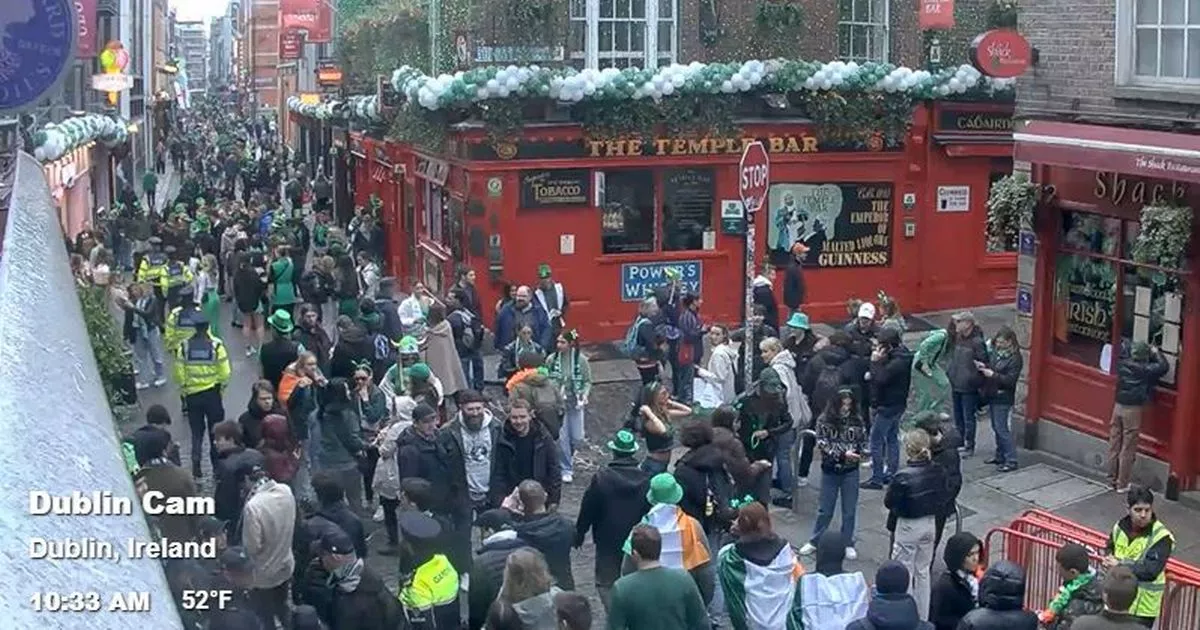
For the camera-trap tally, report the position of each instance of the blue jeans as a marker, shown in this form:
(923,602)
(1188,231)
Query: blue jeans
(653,466)
(885,443)
(1006,450)
(785,473)
(833,484)
(569,437)
(148,355)
(472,365)
(965,405)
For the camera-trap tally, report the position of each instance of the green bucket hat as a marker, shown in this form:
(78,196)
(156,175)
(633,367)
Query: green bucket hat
(281,321)
(664,489)
(407,345)
(418,371)
(798,320)
(623,442)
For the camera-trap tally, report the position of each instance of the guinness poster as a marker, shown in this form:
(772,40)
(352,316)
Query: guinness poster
(547,189)
(842,225)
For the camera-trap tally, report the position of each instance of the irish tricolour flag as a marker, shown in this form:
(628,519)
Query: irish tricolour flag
(758,596)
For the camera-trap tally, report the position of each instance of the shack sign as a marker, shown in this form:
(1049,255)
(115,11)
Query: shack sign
(567,187)
(1001,53)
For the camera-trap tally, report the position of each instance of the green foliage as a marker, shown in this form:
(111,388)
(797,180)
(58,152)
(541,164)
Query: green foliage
(108,345)
(503,120)
(1002,14)
(1010,205)
(778,18)
(386,35)
(427,130)
(1164,237)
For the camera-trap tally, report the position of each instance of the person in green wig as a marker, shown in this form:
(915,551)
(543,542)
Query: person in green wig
(398,380)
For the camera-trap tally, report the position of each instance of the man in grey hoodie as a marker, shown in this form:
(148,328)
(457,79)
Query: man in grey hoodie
(268,523)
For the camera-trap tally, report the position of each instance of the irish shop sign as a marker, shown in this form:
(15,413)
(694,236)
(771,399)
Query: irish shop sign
(1001,53)
(639,280)
(544,189)
(975,122)
(843,225)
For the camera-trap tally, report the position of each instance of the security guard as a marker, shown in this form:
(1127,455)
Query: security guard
(1141,542)
(429,583)
(176,277)
(202,371)
(153,267)
(180,322)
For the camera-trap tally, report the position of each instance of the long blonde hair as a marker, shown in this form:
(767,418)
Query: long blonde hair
(525,575)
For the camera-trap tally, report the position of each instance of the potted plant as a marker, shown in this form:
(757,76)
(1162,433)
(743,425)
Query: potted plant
(1010,206)
(1164,236)
(113,359)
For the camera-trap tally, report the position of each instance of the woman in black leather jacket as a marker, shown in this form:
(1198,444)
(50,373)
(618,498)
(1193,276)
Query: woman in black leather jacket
(914,497)
(1001,601)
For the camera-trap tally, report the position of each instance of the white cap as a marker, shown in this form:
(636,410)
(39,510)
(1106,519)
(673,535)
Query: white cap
(867,310)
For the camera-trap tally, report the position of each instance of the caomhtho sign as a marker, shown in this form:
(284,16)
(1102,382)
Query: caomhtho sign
(1001,53)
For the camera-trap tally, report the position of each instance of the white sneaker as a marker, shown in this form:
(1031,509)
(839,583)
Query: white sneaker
(141,386)
(568,477)
(249,351)
(802,482)
(159,382)
(808,549)
(464,583)
(378,516)
(851,554)
(865,464)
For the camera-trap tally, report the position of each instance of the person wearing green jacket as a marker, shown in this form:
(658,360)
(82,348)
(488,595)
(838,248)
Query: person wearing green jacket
(570,371)
(281,280)
(341,446)
(150,186)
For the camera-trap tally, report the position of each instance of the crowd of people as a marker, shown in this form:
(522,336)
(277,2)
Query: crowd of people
(373,406)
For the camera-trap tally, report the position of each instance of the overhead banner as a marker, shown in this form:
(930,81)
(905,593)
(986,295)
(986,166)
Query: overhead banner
(85,41)
(936,14)
(314,17)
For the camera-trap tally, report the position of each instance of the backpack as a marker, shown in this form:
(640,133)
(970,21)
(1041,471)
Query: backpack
(718,509)
(546,405)
(384,350)
(826,386)
(630,346)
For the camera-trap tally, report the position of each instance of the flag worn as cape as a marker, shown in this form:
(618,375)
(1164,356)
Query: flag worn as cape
(684,545)
(761,597)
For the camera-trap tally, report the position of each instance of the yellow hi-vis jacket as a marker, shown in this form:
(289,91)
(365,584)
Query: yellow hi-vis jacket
(1129,550)
(201,363)
(179,326)
(434,585)
(175,275)
(153,270)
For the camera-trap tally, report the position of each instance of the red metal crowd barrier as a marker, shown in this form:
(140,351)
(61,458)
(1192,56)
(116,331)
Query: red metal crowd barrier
(1033,539)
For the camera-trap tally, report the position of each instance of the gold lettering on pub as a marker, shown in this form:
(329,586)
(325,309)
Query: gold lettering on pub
(698,146)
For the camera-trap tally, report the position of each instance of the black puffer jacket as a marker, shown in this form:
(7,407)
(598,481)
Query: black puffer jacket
(551,534)
(353,347)
(697,471)
(951,597)
(228,492)
(830,358)
(964,376)
(487,574)
(417,456)
(793,286)
(918,489)
(1002,600)
(1136,379)
(945,455)
(275,356)
(891,377)
(892,611)
(613,503)
(506,469)
(251,421)
(1001,388)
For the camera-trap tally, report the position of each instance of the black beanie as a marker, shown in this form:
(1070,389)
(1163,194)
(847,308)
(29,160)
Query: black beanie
(891,578)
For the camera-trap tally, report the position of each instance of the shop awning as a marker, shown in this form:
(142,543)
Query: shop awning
(1157,154)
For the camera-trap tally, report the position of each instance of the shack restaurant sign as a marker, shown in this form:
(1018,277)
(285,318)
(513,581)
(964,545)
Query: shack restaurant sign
(542,189)
(1001,53)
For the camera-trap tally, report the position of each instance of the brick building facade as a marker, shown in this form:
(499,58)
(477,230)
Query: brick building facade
(1106,128)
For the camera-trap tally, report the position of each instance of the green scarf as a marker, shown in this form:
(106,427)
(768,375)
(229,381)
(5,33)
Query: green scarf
(1068,590)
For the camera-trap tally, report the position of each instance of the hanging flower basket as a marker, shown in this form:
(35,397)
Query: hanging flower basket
(1165,234)
(1010,206)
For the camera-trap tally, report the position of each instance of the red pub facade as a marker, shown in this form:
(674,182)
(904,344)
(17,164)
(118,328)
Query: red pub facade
(610,216)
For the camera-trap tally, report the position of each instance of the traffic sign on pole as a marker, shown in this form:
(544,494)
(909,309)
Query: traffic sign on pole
(754,182)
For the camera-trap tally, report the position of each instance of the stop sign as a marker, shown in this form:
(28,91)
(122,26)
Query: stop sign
(754,176)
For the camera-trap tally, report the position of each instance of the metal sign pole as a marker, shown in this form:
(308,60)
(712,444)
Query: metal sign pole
(748,303)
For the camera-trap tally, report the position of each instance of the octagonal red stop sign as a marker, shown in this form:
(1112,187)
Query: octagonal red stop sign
(754,176)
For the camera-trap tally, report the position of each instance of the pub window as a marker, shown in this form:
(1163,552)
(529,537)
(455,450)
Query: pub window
(435,210)
(863,30)
(1104,302)
(688,197)
(622,33)
(627,214)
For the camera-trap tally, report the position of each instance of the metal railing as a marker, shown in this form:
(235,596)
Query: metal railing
(59,438)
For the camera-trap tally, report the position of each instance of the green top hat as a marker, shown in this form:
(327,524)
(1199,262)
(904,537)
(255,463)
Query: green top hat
(543,270)
(281,321)
(418,371)
(798,320)
(623,442)
(664,489)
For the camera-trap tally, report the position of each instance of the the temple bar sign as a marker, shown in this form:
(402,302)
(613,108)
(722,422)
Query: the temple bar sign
(698,146)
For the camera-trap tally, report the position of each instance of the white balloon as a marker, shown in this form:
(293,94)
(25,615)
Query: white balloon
(727,87)
(493,85)
(481,93)
(668,89)
(826,84)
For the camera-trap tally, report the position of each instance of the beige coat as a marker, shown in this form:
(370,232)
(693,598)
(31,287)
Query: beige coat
(443,359)
(268,522)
